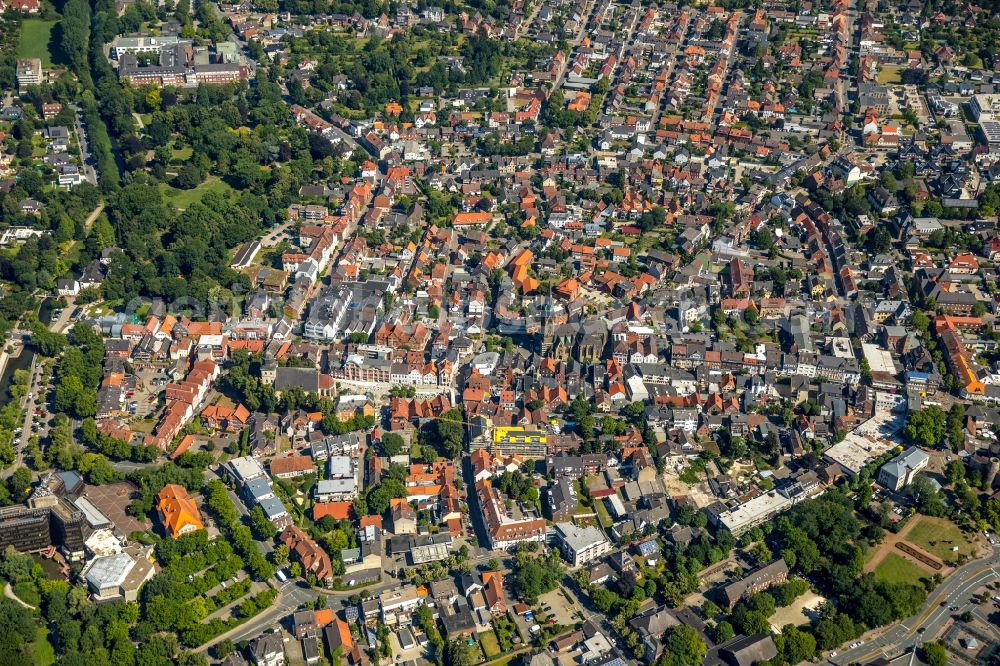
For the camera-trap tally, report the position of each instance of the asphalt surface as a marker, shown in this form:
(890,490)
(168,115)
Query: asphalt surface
(937,611)
(81,136)
(29,405)
(290,597)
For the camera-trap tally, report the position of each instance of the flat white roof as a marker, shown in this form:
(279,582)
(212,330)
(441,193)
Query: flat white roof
(879,360)
(579,538)
(335,485)
(246,468)
(103,543)
(747,513)
(92,513)
(391,599)
(340,467)
(856,450)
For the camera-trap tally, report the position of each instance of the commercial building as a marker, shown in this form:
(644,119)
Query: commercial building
(529,441)
(119,576)
(178,62)
(421,548)
(24,528)
(336,490)
(860,446)
(985,110)
(347,308)
(758,510)
(580,545)
(899,472)
(246,469)
(55,516)
(71,526)
(140,44)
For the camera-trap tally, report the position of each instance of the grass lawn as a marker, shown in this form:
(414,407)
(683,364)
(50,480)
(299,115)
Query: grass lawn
(42,652)
(939,535)
(897,569)
(182,155)
(890,75)
(223,401)
(144,426)
(34,42)
(184,198)
(491,647)
(603,517)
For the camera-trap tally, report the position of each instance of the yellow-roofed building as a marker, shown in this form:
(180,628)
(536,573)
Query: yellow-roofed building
(530,442)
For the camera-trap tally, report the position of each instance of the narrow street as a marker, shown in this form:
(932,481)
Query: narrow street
(81,137)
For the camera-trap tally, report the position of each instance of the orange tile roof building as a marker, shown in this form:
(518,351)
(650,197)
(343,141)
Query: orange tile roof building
(178,511)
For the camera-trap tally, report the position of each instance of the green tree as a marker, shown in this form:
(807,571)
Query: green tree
(796,645)
(460,653)
(723,632)
(935,654)
(19,484)
(926,496)
(925,427)
(682,647)
(392,444)
(380,495)
(446,433)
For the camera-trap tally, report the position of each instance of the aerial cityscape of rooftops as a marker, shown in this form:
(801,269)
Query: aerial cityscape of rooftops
(499,332)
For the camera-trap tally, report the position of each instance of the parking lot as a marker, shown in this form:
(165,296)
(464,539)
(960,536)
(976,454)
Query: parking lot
(555,604)
(150,386)
(416,653)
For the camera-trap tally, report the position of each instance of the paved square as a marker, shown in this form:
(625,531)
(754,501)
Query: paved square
(112,500)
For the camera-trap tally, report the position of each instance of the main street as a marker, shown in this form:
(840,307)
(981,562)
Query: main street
(937,611)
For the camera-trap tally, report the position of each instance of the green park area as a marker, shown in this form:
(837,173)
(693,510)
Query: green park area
(897,569)
(491,647)
(184,198)
(941,537)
